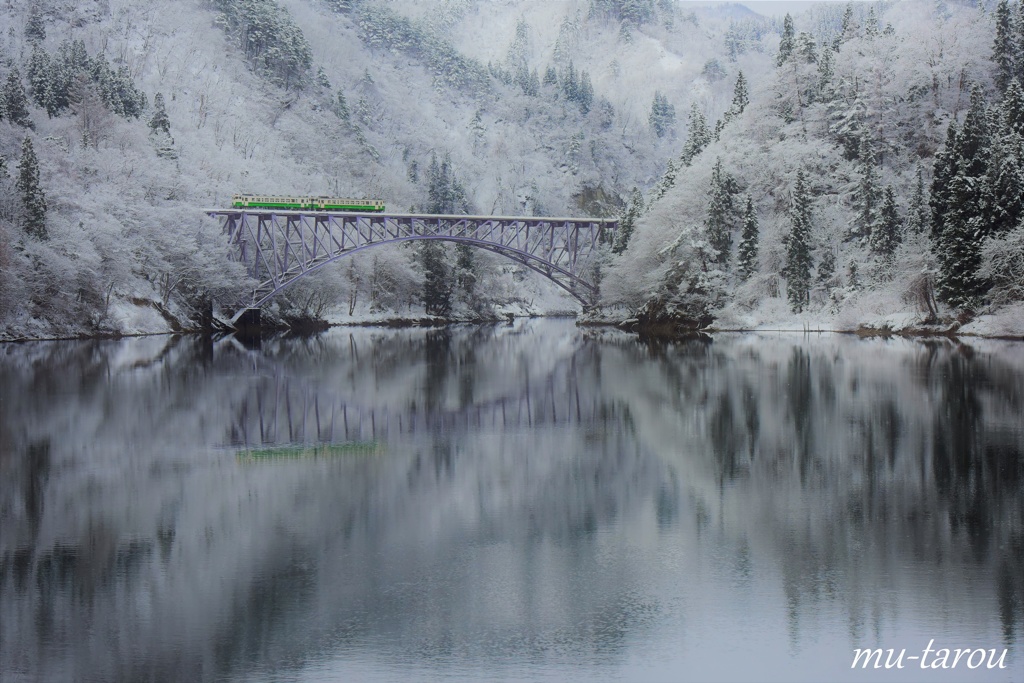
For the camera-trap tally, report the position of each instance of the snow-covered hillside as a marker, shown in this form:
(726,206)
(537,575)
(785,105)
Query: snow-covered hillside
(526,107)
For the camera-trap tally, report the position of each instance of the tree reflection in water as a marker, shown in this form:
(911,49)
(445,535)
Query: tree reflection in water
(536,496)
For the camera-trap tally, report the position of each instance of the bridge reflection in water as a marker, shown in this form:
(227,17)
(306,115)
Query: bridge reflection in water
(280,410)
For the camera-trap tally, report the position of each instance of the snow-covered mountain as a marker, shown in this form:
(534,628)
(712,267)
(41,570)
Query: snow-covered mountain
(142,112)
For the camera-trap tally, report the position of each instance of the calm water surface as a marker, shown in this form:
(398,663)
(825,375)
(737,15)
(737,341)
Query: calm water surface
(525,502)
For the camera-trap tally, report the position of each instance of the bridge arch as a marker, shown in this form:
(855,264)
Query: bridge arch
(280,247)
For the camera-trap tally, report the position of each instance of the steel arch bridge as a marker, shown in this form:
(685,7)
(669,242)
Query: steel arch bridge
(279,247)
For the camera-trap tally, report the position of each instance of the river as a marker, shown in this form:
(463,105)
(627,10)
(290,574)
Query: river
(512,502)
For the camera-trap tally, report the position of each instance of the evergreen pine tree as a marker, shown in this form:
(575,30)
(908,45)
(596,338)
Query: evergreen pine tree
(628,222)
(550,77)
(321,78)
(570,86)
(160,121)
(340,107)
(721,213)
(1003,49)
(942,172)
(871,24)
(885,234)
(437,286)
(964,226)
(465,272)
(826,74)
(788,41)
(1004,183)
(847,28)
(740,100)
(663,115)
(918,219)
(740,95)
(798,247)
(40,71)
(867,196)
(749,241)
(1019,41)
(15,103)
(585,95)
(698,136)
(35,28)
(33,200)
(665,183)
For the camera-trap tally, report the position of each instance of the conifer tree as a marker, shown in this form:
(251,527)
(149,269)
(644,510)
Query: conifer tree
(628,222)
(15,102)
(847,28)
(749,241)
(340,107)
(39,72)
(665,183)
(867,196)
(721,213)
(943,170)
(1004,183)
(740,95)
(798,247)
(871,24)
(550,77)
(33,200)
(697,138)
(437,284)
(585,95)
(826,74)
(740,100)
(160,121)
(885,234)
(1019,41)
(663,115)
(918,219)
(964,226)
(465,272)
(35,28)
(570,86)
(1004,51)
(788,41)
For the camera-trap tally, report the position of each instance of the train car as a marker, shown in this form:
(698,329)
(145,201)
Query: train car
(244,201)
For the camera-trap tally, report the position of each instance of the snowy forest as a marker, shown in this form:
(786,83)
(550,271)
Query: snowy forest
(847,166)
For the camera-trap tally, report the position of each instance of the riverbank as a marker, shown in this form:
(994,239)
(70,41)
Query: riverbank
(142,319)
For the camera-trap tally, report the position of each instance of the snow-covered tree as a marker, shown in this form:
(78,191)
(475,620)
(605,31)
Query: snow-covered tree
(628,223)
(788,41)
(698,136)
(962,227)
(867,196)
(886,234)
(749,241)
(798,246)
(918,218)
(30,190)
(15,103)
(35,27)
(722,213)
(160,122)
(1004,49)
(663,115)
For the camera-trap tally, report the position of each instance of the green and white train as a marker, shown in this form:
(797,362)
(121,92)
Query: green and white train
(244,201)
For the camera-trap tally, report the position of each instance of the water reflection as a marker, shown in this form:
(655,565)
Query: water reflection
(535,499)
